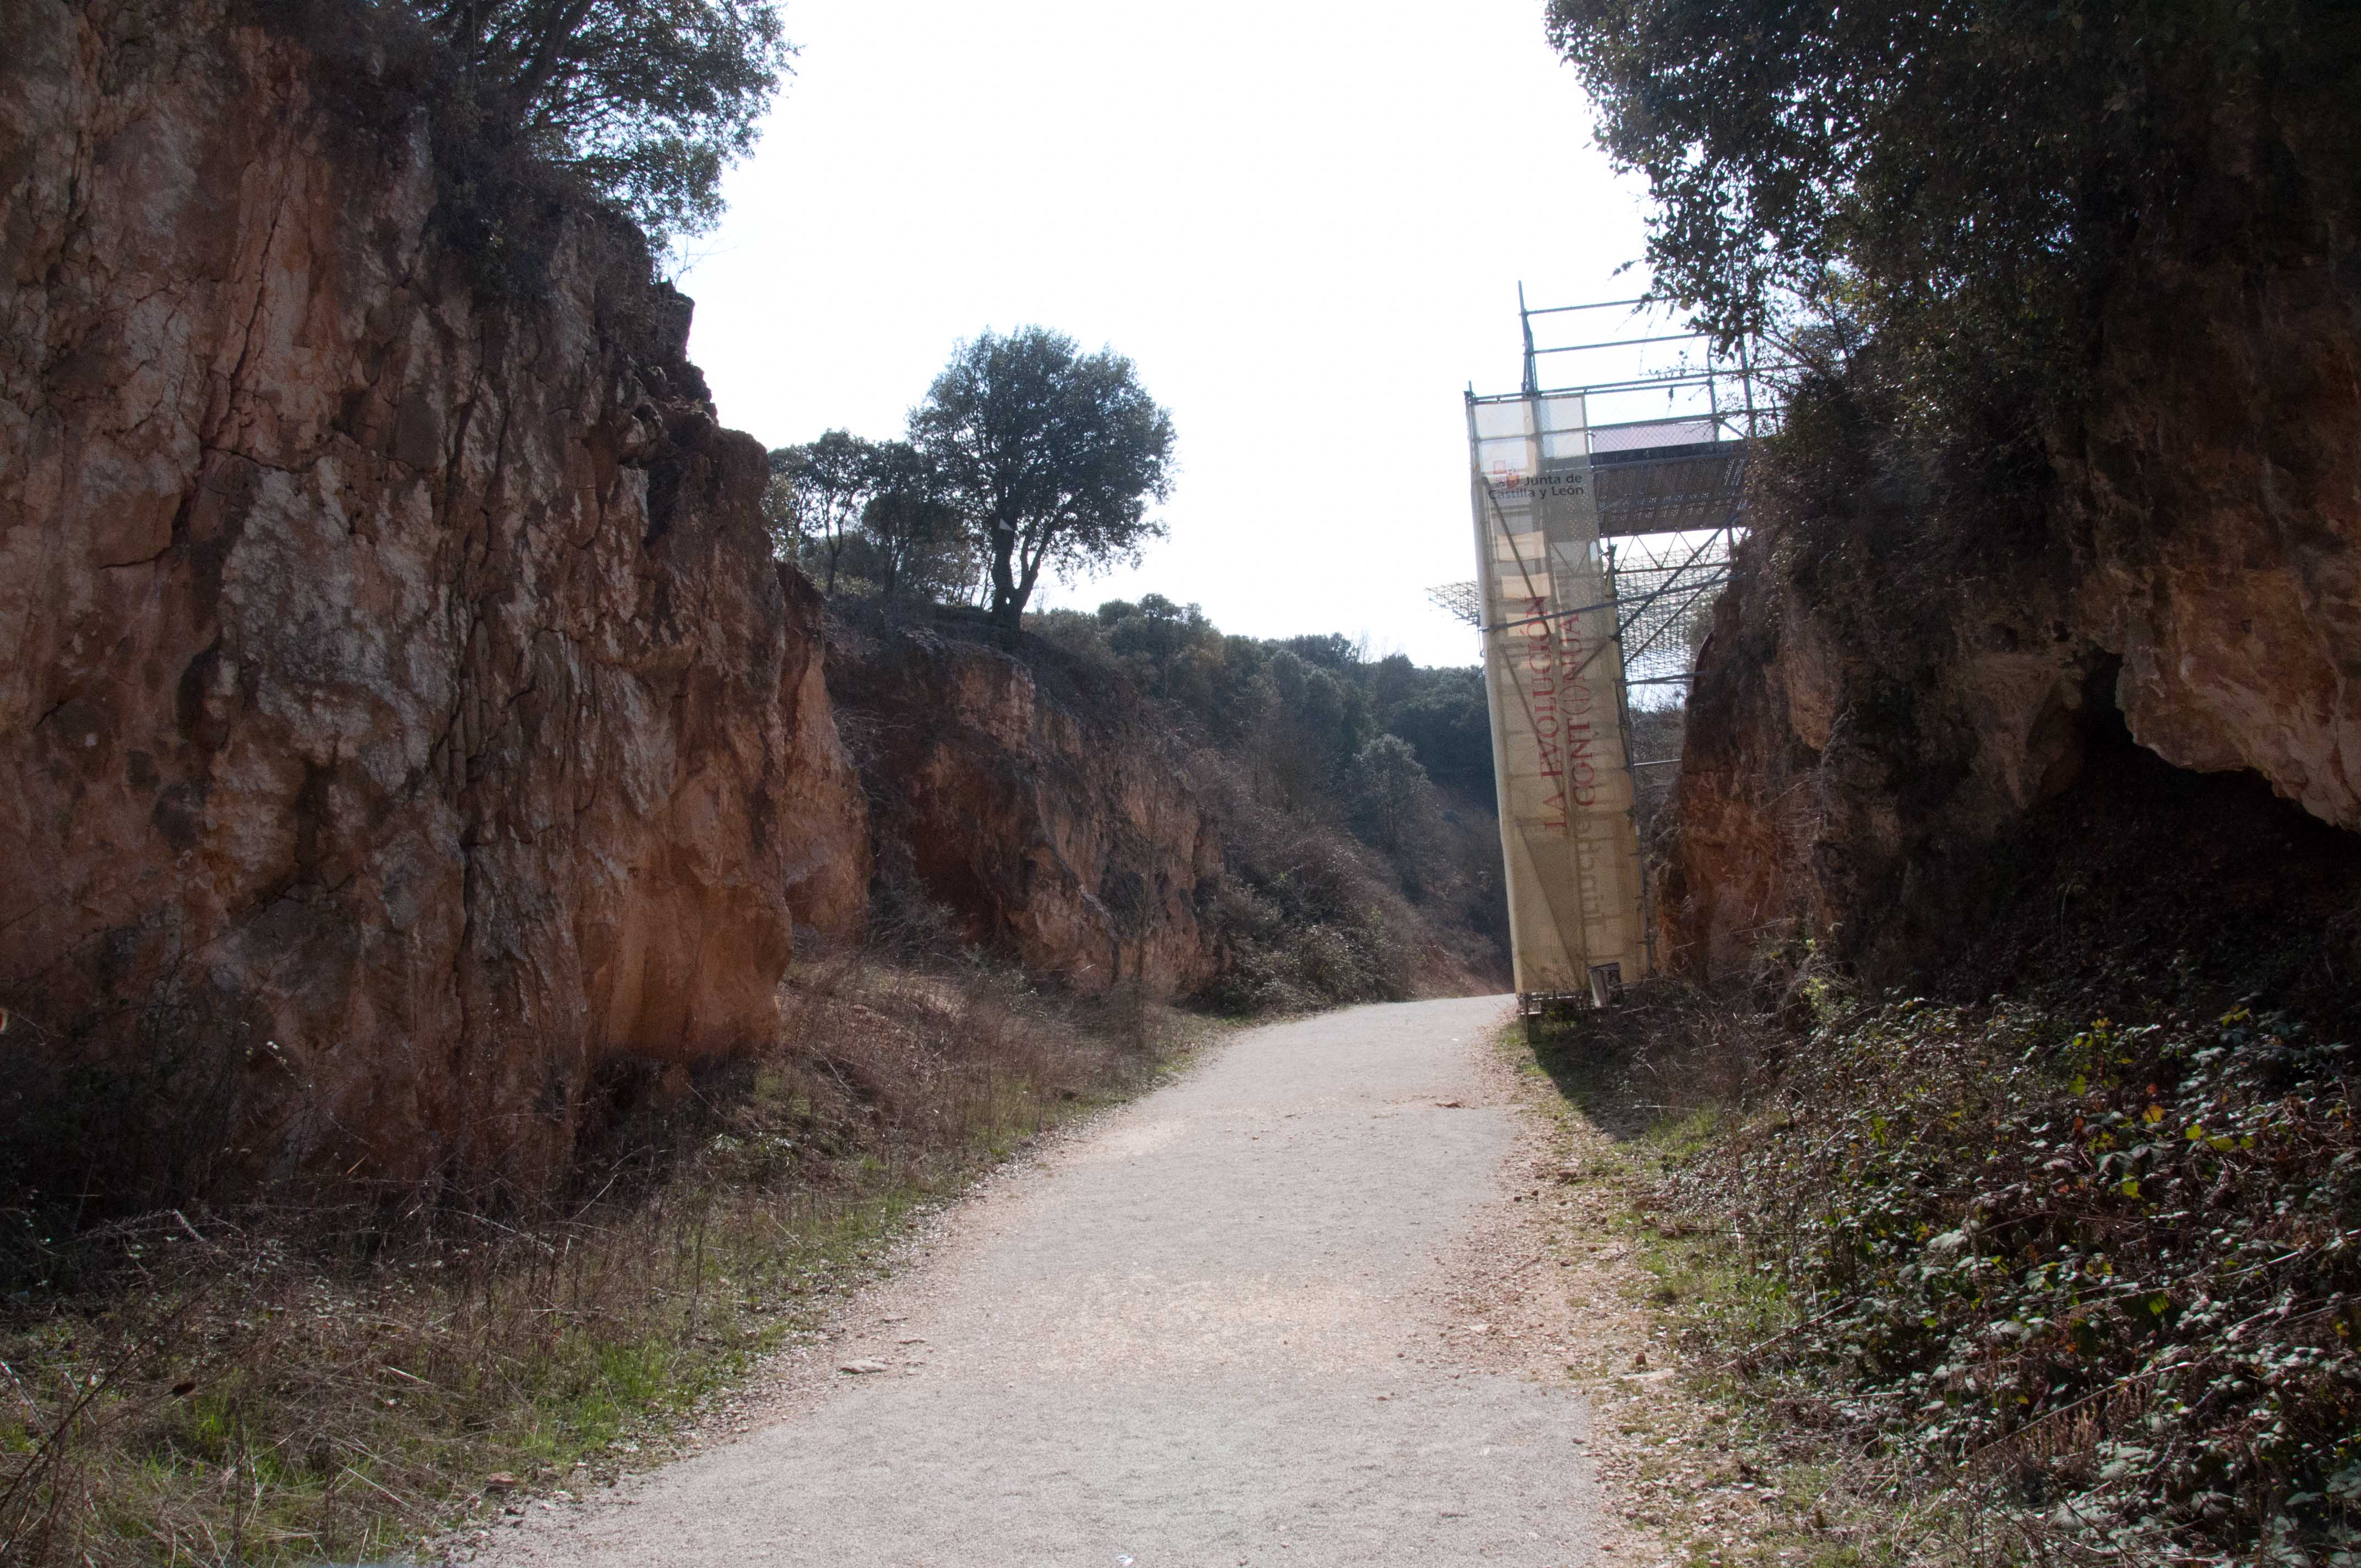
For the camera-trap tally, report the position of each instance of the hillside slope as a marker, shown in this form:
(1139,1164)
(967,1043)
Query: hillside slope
(1061,804)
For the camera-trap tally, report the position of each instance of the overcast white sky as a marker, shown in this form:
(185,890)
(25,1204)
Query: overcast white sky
(1305,220)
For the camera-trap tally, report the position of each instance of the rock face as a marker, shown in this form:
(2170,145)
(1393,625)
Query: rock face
(1877,702)
(1054,827)
(2217,504)
(827,859)
(401,718)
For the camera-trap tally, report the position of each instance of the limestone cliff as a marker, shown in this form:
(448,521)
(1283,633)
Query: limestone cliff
(1888,698)
(1056,828)
(401,718)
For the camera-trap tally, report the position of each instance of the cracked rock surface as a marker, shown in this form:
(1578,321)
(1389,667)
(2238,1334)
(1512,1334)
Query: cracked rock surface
(402,719)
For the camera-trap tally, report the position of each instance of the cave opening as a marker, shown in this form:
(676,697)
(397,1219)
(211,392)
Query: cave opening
(2161,884)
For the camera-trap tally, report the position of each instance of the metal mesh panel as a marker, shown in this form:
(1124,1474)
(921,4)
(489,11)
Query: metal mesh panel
(1670,489)
(1643,433)
(1663,583)
(1462,601)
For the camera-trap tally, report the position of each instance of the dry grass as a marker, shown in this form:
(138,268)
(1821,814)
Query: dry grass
(339,1381)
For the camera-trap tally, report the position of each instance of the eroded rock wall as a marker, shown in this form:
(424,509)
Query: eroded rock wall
(2215,511)
(1883,698)
(400,715)
(1056,828)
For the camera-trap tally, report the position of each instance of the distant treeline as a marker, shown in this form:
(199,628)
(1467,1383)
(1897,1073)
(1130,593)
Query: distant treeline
(1316,710)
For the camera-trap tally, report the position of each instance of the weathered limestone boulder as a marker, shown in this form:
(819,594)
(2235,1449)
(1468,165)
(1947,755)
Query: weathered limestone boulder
(400,717)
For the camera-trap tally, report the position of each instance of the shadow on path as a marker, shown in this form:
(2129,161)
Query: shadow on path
(1662,1055)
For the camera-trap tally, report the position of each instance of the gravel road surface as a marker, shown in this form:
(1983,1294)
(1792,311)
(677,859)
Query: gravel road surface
(1213,1328)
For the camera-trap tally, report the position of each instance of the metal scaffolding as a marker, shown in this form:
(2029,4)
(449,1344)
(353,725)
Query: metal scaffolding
(1601,543)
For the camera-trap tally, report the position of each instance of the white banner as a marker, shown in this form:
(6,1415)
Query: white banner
(1554,678)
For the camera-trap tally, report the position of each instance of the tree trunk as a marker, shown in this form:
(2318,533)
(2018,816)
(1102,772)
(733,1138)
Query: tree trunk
(541,64)
(1031,575)
(1007,604)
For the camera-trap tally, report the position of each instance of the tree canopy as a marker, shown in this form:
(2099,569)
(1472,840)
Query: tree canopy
(849,510)
(817,495)
(913,539)
(1957,181)
(1052,455)
(647,101)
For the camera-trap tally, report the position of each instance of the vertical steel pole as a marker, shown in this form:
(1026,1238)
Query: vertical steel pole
(1525,326)
(1746,383)
(1631,768)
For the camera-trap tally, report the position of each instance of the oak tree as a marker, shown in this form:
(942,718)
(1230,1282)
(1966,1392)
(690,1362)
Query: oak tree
(1052,455)
(819,492)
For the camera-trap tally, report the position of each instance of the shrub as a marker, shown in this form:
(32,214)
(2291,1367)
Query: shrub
(2106,1274)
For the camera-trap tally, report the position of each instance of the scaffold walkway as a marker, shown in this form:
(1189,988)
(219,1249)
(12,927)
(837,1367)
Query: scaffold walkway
(1602,543)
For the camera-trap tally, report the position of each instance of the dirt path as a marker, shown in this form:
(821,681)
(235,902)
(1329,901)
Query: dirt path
(1228,1324)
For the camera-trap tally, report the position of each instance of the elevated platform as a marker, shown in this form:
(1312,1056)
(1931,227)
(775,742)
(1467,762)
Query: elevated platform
(1688,486)
(1604,514)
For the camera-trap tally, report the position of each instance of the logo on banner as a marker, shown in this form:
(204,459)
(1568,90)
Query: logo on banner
(1563,705)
